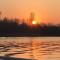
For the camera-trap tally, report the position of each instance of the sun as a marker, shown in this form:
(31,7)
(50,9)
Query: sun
(34,22)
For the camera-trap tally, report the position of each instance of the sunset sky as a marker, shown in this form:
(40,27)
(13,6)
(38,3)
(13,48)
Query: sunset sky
(45,10)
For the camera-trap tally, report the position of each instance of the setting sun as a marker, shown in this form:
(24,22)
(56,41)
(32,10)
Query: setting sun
(34,22)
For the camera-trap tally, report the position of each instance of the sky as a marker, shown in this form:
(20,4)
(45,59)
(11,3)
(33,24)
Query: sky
(44,10)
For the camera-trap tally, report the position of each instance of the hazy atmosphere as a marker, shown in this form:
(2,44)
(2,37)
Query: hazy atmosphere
(45,10)
(29,29)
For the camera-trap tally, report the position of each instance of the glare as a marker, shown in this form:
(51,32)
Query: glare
(34,22)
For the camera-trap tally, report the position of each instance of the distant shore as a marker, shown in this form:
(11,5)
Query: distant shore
(29,35)
(11,28)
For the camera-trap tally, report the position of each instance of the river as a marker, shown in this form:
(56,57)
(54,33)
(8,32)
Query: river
(34,48)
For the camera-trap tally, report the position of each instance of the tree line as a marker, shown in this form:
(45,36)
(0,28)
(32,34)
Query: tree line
(12,28)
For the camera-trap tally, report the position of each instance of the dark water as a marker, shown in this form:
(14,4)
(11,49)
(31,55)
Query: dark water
(35,48)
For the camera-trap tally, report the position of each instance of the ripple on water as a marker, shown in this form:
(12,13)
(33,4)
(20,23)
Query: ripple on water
(34,49)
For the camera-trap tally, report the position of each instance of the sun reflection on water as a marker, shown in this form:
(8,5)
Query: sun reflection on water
(33,49)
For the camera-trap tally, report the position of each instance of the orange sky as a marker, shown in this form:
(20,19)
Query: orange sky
(45,10)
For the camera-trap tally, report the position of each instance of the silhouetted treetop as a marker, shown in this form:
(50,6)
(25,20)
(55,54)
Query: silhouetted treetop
(10,27)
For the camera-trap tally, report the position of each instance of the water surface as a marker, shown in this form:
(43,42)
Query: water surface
(38,48)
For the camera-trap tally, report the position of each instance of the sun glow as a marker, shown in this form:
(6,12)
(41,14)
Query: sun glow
(34,22)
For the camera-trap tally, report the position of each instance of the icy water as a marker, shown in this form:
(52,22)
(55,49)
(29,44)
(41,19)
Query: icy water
(34,48)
